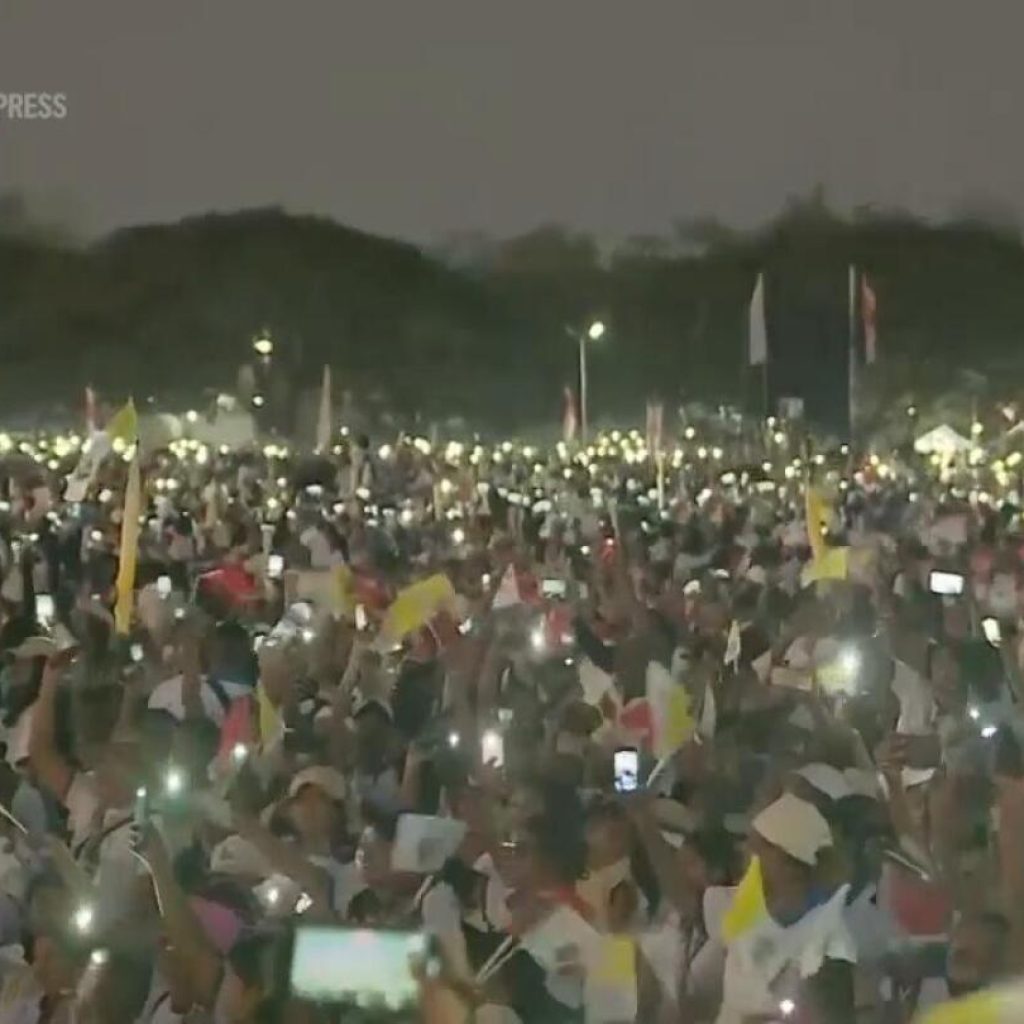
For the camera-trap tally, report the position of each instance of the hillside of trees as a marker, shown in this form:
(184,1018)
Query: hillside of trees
(483,328)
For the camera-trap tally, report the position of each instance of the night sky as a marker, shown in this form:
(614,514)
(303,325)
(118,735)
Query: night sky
(419,117)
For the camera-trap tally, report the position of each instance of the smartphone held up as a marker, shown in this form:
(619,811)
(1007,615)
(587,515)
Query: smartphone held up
(627,770)
(372,970)
(945,584)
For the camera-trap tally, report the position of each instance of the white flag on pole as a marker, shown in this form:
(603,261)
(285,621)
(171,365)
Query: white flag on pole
(758,330)
(324,419)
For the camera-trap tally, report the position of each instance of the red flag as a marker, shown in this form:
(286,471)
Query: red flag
(570,421)
(921,908)
(371,592)
(558,630)
(238,728)
(440,633)
(636,718)
(869,310)
(232,583)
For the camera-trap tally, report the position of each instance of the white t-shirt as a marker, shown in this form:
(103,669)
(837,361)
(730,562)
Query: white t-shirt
(167,696)
(346,881)
(384,790)
(917,714)
(766,964)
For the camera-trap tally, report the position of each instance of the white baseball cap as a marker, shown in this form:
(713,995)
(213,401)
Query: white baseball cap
(326,779)
(794,826)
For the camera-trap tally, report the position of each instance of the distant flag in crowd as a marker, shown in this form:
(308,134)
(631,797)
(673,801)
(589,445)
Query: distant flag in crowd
(866,314)
(270,722)
(123,427)
(655,426)
(634,718)
(758,342)
(708,722)
(508,594)
(1000,1005)
(818,515)
(851,382)
(129,547)
(869,311)
(90,410)
(325,418)
(672,723)
(414,607)
(827,563)
(570,420)
(851,304)
(749,907)
(237,729)
(610,987)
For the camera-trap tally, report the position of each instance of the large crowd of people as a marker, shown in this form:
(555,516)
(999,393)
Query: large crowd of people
(590,733)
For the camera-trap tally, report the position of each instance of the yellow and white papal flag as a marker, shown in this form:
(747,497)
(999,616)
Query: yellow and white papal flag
(122,429)
(1003,1005)
(129,547)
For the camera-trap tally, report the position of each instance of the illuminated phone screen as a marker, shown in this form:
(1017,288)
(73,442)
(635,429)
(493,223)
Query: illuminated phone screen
(372,969)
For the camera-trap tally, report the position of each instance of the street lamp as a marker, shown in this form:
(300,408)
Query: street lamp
(594,332)
(263,346)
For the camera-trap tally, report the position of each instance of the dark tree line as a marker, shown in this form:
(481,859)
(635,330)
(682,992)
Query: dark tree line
(483,329)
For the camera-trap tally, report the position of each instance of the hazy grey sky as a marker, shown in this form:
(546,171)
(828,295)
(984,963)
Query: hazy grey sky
(415,117)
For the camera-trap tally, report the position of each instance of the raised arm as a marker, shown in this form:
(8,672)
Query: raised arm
(288,860)
(49,766)
(187,941)
(1011,858)
(663,860)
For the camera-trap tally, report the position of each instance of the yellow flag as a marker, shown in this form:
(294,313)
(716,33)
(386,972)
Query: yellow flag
(817,520)
(1003,1005)
(672,722)
(416,606)
(129,548)
(831,564)
(270,722)
(615,963)
(342,594)
(679,723)
(826,563)
(124,424)
(611,983)
(748,905)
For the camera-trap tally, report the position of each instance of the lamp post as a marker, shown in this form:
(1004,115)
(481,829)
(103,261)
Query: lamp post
(593,333)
